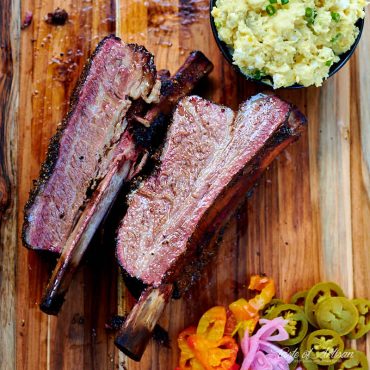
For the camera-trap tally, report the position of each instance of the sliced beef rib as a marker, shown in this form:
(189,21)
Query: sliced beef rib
(207,150)
(85,144)
(211,158)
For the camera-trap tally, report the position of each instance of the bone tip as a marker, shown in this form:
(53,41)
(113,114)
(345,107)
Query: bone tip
(51,305)
(133,344)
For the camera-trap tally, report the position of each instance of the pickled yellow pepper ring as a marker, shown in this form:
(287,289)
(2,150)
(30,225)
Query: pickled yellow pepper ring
(247,313)
(212,324)
(363,323)
(297,325)
(325,347)
(299,298)
(338,314)
(353,360)
(316,295)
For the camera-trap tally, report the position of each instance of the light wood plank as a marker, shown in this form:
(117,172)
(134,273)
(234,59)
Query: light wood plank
(9,99)
(334,180)
(360,172)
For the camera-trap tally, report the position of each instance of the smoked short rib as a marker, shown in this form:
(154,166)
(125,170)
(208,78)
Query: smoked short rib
(211,158)
(87,141)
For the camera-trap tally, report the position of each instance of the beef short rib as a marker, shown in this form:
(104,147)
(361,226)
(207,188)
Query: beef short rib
(207,150)
(86,142)
(211,158)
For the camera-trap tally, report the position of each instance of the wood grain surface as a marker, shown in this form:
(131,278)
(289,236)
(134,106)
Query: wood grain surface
(9,94)
(307,220)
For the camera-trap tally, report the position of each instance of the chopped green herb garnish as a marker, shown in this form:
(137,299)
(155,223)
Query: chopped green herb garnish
(335,16)
(309,12)
(328,63)
(310,15)
(336,37)
(284,2)
(270,9)
(257,74)
(273,1)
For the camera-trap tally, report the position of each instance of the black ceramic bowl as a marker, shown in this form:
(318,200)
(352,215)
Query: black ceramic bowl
(333,69)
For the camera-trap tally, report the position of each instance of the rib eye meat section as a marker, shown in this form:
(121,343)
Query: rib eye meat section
(87,141)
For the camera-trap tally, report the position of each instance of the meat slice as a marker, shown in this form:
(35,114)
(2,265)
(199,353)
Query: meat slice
(211,158)
(85,144)
(207,149)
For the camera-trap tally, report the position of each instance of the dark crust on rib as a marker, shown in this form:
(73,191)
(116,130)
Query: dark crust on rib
(149,66)
(196,66)
(48,165)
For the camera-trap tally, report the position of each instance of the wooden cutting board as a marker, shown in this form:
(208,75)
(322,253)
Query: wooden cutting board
(307,220)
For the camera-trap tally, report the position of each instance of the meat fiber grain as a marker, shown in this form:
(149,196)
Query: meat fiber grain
(211,158)
(85,144)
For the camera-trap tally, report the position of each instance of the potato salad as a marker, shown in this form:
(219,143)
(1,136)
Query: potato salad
(289,41)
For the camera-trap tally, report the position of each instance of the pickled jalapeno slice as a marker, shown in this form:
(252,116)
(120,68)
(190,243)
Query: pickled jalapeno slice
(295,354)
(338,314)
(352,359)
(363,323)
(271,306)
(316,295)
(299,298)
(297,325)
(325,347)
(304,356)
